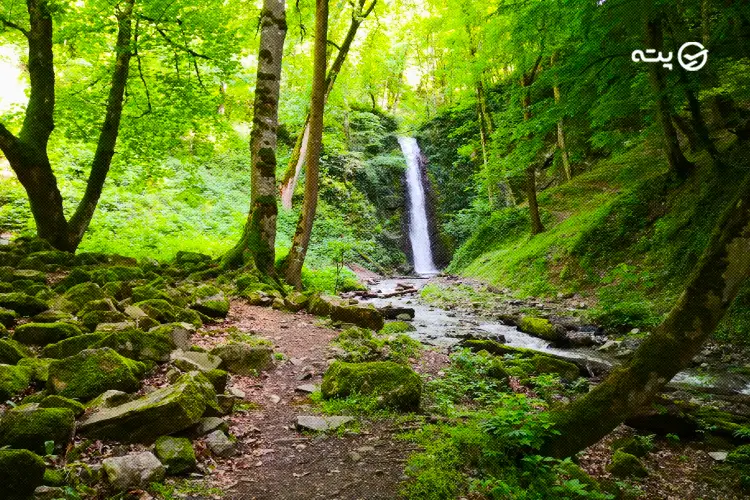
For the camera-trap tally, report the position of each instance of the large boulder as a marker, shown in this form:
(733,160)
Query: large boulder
(321,305)
(136,344)
(29,427)
(71,346)
(211,301)
(162,412)
(13,380)
(133,471)
(38,368)
(244,359)
(43,334)
(11,351)
(539,327)
(548,364)
(23,304)
(56,401)
(93,371)
(21,472)
(79,295)
(396,386)
(158,309)
(176,453)
(7,317)
(364,316)
(181,334)
(193,360)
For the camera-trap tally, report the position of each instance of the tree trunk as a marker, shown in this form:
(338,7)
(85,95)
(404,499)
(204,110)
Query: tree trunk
(722,270)
(27,153)
(296,258)
(536,221)
(561,130)
(678,164)
(687,131)
(297,160)
(257,245)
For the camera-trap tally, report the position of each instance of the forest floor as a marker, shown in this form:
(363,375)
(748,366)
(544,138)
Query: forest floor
(274,459)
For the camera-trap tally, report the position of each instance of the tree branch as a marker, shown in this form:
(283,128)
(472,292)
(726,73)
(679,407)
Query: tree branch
(166,37)
(9,24)
(140,69)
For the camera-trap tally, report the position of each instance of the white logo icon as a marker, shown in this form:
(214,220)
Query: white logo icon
(690,62)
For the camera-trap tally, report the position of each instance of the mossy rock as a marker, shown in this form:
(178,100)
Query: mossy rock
(495,348)
(191,258)
(116,273)
(29,427)
(181,334)
(13,380)
(394,327)
(95,318)
(29,275)
(296,301)
(244,359)
(158,309)
(636,447)
(23,304)
(93,371)
(176,453)
(498,371)
(136,344)
(162,412)
(39,368)
(71,346)
(148,292)
(219,379)
(54,477)
(548,364)
(190,316)
(720,422)
(539,327)
(574,471)
(75,277)
(52,316)
(97,305)
(43,334)
(55,258)
(21,472)
(740,456)
(321,305)
(211,301)
(625,465)
(364,316)
(120,290)
(7,317)
(57,401)
(396,386)
(79,295)
(11,351)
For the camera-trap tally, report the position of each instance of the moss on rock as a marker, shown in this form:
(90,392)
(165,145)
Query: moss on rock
(71,346)
(57,401)
(13,380)
(23,304)
(38,368)
(7,317)
(77,296)
(43,334)
(539,327)
(21,472)
(364,316)
(176,453)
(93,371)
(625,465)
(12,351)
(548,364)
(29,427)
(158,309)
(396,386)
(136,344)
(740,456)
(244,359)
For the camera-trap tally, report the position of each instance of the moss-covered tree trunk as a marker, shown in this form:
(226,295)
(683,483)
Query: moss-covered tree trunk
(678,164)
(296,258)
(257,245)
(27,152)
(297,160)
(722,270)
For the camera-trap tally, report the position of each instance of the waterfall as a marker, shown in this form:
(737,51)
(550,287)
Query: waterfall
(419,233)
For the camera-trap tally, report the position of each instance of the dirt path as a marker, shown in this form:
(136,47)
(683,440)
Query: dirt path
(275,461)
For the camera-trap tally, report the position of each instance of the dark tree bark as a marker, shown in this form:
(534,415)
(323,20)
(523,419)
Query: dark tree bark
(257,245)
(722,270)
(678,164)
(27,153)
(296,258)
(297,160)
(536,222)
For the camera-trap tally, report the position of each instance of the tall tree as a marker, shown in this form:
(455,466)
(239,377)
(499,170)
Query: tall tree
(299,153)
(560,127)
(527,79)
(257,245)
(296,258)
(27,151)
(722,270)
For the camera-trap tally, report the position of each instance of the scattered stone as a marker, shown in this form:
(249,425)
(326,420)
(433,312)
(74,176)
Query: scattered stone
(363,316)
(244,359)
(93,371)
(176,454)
(43,334)
(13,380)
(354,456)
(211,301)
(55,401)
(52,316)
(110,399)
(11,352)
(718,456)
(21,472)
(49,493)
(133,471)
(181,334)
(24,305)
(77,296)
(162,412)
(71,346)
(306,388)
(625,465)
(237,393)
(394,385)
(321,424)
(207,425)
(274,399)
(221,445)
(29,427)
(191,360)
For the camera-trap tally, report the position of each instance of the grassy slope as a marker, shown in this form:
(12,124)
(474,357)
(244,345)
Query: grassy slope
(623,232)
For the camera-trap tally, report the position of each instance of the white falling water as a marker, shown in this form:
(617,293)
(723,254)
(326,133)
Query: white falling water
(419,233)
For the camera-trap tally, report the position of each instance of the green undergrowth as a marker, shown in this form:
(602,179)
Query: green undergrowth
(360,344)
(174,489)
(624,233)
(355,404)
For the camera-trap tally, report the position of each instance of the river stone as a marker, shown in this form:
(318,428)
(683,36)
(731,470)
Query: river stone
(176,454)
(190,360)
(162,412)
(539,327)
(93,371)
(321,424)
(23,304)
(548,364)
(364,316)
(133,471)
(11,351)
(21,472)
(244,359)
(29,427)
(394,385)
(220,444)
(45,333)
(13,380)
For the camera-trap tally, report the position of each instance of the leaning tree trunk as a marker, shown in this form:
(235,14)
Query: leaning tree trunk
(27,153)
(296,258)
(678,164)
(561,130)
(299,153)
(536,221)
(722,270)
(257,245)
